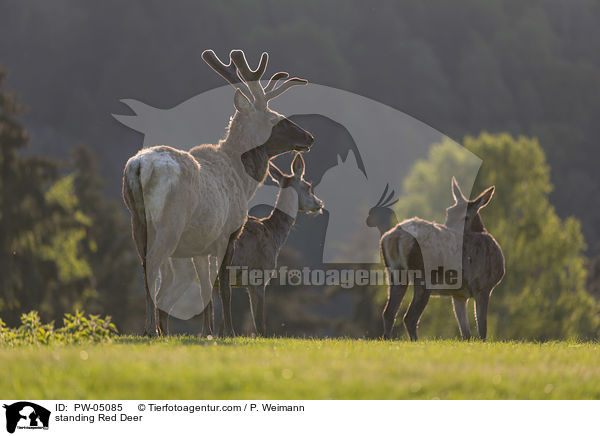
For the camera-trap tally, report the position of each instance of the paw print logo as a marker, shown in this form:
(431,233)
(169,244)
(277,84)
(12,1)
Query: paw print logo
(294,277)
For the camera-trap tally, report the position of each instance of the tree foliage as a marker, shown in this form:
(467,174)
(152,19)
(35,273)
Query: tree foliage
(529,67)
(58,252)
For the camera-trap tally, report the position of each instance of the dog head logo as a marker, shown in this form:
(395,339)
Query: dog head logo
(26,415)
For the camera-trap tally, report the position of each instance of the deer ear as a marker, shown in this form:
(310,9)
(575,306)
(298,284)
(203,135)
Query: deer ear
(275,173)
(456,192)
(298,165)
(484,198)
(241,102)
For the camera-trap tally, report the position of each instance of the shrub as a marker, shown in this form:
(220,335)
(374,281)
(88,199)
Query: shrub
(77,329)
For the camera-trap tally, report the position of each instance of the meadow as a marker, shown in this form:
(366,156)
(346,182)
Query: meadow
(186,367)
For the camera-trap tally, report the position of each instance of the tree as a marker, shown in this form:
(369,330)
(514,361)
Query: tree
(41,228)
(109,249)
(63,245)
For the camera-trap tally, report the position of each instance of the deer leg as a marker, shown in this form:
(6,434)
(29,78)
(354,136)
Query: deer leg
(150,276)
(216,308)
(415,310)
(217,302)
(257,305)
(212,314)
(225,285)
(207,325)
(202,269)
(139,237)
(149,323)
(225,292)
(162,248)
(460,312)
(395,296)
(163,322)
(481,305)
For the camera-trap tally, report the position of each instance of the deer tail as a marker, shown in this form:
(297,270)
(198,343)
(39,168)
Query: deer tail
(133,195)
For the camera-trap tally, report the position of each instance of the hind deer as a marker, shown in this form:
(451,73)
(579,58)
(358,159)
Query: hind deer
(260,240)
(482,265)
(186,205)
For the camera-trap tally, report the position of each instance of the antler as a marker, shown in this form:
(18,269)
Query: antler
(294,81)
(239,59)
(384,203)
(274,79)
(251,77)
(238,69)
(228,72)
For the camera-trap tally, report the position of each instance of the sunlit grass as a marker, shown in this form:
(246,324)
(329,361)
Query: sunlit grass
(185,367)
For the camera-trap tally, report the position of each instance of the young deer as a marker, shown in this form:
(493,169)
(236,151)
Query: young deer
(185,205)
(257,246)
(482,266)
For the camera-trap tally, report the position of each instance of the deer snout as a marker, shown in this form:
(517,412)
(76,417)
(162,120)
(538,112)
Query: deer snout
(309,139)
(289,135)
(302,139)
(305,143)
(320,206)
(315,206)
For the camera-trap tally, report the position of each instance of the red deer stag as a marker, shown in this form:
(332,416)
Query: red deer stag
(185,205)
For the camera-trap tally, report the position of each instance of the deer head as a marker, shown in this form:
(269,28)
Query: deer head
(381,215)
(464,214)
(307,200)
(254,123)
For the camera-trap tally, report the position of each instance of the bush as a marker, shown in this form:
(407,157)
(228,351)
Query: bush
(77,329)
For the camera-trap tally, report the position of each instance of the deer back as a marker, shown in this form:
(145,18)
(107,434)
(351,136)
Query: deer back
(483,261)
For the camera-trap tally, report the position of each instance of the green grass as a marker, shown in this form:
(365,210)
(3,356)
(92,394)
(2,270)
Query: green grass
(245,368)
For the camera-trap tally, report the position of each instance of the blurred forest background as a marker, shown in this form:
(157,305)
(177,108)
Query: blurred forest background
(527,72)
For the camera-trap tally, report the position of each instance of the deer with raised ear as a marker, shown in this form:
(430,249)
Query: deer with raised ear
(482,263)
(186,205)
(257,246)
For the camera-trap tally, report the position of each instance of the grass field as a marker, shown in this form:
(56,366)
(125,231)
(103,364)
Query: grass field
(247,368)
